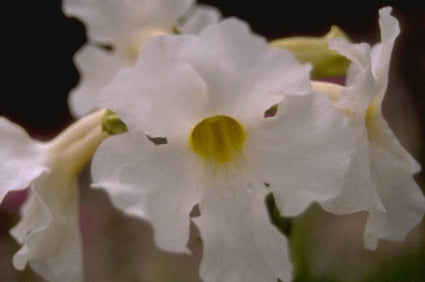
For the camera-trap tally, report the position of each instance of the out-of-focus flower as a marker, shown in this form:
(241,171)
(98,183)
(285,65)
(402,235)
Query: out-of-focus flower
(207,95)
(124,27)
(49,229)
(316,51)
(380,179)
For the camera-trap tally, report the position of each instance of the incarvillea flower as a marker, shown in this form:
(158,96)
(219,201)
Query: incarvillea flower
(380,179)
(49,228)
(123,27)
(209,97)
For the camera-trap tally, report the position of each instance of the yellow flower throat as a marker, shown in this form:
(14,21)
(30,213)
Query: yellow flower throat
(218,138)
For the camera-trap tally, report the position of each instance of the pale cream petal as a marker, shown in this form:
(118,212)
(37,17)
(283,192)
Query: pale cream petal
(239,242)
(303,152)
(159,183)
(20,158)
(49,230)
(392,172)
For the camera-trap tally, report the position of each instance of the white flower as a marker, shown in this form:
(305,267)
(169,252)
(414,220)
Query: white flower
(380,178)
(49,229)
(124,26)
(197,18)
(207,95)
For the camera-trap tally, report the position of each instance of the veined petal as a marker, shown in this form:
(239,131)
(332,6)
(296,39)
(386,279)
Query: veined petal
(239,241)
(160,183)
(110,21)
(199,17)
(49,230)
(97,67)
(392,168)
(20,158)
(303,152)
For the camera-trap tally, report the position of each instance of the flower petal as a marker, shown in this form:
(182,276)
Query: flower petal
(160,183)
(161,94)
(165,13)
(49,230)
(20,158)
(303,152)
(110,21)
(381,56)
(361,86)
(239,241)
(392,170)
(368,75)
(359,193)
(199,17)
(166,95)
(96,67)
(244,76)
(225,71)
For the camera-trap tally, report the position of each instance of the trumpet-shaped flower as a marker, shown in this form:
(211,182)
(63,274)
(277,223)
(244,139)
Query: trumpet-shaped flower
(49,229)
(380,179)
(124,27)
(207,95)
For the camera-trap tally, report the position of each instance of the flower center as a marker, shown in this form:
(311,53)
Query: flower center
(218,138)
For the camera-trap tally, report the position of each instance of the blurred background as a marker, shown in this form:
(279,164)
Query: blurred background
(38,43)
